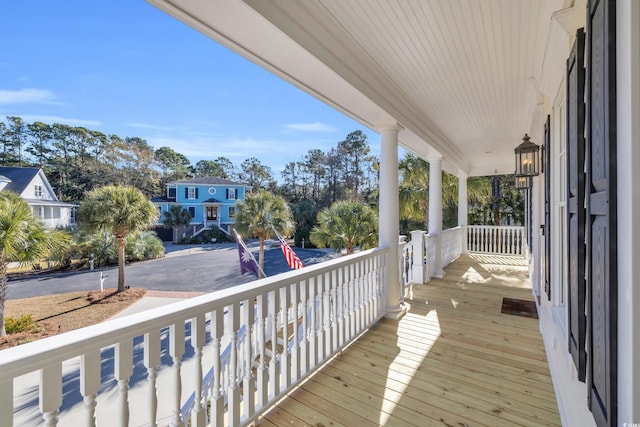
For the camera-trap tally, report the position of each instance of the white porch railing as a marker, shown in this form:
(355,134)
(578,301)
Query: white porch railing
(419,253)
(256,341)
(452,242)
(503,240)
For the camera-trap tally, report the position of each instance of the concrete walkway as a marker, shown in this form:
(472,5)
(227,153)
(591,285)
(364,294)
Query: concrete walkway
(154,299)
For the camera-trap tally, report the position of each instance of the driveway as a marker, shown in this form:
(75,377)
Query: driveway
(185,268)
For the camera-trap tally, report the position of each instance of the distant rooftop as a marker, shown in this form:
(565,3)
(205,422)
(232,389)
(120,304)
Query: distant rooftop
(19,177)
(208,180)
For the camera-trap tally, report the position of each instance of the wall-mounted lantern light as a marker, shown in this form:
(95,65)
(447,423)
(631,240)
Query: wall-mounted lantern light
(527,158)
(523,182)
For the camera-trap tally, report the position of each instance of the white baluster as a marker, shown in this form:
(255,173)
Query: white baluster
(122,372)
(352,301)
(90,383)
(274,363)
(217,397)
(357,296)
(248,382)
(176,350)
(334,310)
(295,353)
(233,391)
(151,362)
(313,328)
(262,372)
(6,403)
(285,366)
(319,330)
(340,305)
(304,342)
(198,337)
(50,393)
(368,315)
(326,314)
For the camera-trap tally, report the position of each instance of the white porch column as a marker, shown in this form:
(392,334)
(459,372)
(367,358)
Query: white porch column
(435,211)
(389,218)
(463,208)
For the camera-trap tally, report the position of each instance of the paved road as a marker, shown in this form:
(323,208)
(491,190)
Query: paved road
(185,268)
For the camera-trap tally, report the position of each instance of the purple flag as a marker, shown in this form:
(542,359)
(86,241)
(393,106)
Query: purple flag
(248,263)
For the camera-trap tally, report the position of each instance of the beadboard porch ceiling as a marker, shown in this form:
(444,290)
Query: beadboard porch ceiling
(461,76)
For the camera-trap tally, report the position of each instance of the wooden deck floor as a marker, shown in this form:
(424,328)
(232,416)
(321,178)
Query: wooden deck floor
(452,360)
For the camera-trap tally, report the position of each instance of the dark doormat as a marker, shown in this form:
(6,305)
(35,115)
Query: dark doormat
(519,307)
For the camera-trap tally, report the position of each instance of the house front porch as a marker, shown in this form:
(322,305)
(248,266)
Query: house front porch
(453,359)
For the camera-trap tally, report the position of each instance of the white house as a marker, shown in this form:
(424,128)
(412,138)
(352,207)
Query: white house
(32,185)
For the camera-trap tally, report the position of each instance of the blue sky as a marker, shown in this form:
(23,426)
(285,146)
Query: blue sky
(126,68)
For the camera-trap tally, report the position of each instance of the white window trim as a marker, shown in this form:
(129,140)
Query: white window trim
(233,193)
(191,193)
(38,191)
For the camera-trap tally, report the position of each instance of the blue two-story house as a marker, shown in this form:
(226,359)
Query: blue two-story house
(209,200)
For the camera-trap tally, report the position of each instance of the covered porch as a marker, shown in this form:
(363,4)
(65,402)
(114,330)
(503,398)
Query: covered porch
(453,359)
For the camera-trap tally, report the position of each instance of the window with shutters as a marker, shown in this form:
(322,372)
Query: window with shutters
(191,193)
(231,194)
(171,193)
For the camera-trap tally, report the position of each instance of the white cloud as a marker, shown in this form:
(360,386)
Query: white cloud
(26,96)
(150,127)
(57,119)
(310,127)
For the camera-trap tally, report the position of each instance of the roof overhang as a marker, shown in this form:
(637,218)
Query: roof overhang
(462,78)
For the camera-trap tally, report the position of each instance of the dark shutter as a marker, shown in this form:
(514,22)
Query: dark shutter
(227,194)
(196,192)
(547,207)
(186,192)
(575,201)
(601,246)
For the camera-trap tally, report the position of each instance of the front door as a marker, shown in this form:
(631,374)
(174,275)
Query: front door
(212,213)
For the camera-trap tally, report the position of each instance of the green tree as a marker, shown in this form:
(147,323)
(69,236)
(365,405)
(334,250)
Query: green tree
(414,190)
(175,166)
(23,238)
(40,134)
(228,169)
(256,215)
(174,217)
(257,175)
(144,245)
(346,224)
(120,211)
(206,168)
(17,138)
(305,214)
(354,152)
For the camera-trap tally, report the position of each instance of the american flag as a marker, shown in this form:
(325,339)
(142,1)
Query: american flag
(291,257)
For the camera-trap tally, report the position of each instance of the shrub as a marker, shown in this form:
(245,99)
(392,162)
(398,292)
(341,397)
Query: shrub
(21,324)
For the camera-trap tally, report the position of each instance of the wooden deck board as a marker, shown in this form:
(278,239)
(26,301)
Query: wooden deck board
(454,359)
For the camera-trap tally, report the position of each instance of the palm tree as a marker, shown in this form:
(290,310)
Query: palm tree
(256,215)
(23,238)
(174,217)
(119,211)
(346,224)
(414,191)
